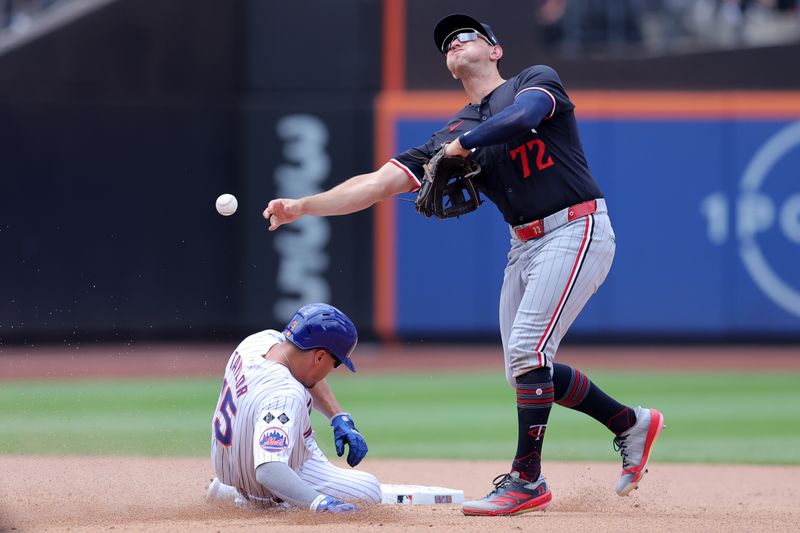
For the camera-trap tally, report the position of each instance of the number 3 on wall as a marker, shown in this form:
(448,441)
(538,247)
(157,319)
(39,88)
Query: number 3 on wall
(223,429)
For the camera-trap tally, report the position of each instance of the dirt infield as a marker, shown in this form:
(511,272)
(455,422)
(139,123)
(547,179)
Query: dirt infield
(155,495)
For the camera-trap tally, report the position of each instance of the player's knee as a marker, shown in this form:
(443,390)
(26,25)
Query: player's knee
(528,375)
(371,489)
(535,375)
(511,379)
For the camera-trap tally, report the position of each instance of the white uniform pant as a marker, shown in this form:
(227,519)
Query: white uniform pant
(349,485)
(547,282)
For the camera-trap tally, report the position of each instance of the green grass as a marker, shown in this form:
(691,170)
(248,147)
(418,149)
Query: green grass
(727,418)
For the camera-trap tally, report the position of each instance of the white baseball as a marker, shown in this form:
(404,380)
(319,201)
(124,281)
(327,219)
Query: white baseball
(227,204)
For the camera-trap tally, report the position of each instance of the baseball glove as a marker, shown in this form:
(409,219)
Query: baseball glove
(448,189)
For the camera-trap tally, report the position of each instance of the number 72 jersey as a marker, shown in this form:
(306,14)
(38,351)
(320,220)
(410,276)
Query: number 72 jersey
(533,174)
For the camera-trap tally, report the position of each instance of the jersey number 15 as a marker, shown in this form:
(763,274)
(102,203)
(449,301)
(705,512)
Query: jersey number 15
(223,429)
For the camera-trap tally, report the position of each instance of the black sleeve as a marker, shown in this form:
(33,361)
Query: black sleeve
(411,161)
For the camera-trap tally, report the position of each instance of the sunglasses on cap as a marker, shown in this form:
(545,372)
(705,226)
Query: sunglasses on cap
(464,37)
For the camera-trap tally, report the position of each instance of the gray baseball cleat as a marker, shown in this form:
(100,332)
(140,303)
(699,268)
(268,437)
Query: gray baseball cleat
(634,446)
(511,496)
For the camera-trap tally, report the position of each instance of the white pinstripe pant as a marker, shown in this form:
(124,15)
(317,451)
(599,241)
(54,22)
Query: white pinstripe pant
(348,485)
(547,282)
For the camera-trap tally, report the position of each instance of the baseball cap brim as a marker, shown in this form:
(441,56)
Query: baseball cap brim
(450,25)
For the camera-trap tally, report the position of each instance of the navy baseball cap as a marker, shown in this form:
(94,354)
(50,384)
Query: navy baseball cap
(452,25)
(323,326)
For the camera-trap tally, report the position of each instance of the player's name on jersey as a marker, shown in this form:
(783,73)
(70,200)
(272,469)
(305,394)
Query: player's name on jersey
(236,369)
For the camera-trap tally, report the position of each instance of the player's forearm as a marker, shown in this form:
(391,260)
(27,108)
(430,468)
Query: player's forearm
(324,400)
(343,199)
(284,483)
(357,193)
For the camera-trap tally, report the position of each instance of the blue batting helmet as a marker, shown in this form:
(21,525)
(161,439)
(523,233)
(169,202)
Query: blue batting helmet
(323,326)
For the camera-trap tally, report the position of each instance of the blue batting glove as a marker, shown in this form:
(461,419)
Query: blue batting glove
(328,504)
(344,431)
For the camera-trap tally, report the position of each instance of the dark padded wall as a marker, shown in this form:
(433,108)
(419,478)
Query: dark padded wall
(133,49)
(316,46)
(108,225)
(312,72)
(117,132)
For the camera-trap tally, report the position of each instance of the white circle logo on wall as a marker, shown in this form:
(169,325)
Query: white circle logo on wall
(756,212)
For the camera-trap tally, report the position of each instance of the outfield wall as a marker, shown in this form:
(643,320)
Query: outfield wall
(703,194)
(118,131)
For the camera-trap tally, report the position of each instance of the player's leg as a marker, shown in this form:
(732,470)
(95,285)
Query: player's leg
(564,269)
(514,281)
(546,283)
(574,389)
(532,409)
(567,268)
(348,485)
(523,489)
(635,429)
(534,388)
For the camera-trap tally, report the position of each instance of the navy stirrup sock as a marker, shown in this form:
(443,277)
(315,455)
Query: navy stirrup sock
(575,390)
(534,400)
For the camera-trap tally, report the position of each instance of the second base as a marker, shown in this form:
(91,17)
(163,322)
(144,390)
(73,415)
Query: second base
(419,494)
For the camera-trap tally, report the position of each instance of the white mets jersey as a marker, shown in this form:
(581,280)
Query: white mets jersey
(262,416)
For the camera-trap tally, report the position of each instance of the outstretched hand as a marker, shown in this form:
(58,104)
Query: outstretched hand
(344,431)
(282,211)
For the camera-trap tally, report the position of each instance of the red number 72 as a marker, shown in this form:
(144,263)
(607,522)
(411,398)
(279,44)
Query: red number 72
(542,160)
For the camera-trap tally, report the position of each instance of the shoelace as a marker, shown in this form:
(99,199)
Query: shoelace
(503,479)
(621,446)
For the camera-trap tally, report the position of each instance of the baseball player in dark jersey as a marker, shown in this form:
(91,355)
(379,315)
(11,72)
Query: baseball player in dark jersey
(523,133)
